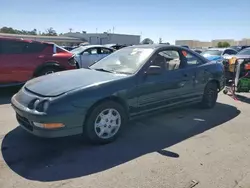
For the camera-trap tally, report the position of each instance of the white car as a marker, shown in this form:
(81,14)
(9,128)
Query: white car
(88,55)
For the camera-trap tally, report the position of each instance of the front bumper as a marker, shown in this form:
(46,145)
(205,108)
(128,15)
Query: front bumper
(73,122)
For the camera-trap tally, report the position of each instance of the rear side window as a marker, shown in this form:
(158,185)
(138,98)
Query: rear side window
(34,48)
(12,47)
(19,47)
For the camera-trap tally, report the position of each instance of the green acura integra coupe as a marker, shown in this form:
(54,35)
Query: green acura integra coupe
(132,81)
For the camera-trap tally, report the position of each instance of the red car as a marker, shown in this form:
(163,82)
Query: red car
(21,60)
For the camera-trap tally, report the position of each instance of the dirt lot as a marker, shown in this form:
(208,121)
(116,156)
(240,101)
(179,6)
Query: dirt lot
(211,147)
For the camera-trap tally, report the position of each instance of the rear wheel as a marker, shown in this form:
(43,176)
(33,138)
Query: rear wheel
(210,95)
(105,122)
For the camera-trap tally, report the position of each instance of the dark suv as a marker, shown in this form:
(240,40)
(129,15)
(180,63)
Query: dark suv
(21,60)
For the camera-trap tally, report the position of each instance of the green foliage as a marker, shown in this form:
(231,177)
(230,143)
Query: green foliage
(50,32)
(223,44)
(147,41)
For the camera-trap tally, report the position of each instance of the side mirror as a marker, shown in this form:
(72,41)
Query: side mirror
(154,70)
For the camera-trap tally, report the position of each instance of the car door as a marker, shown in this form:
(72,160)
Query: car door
(15,61)
(89,56)
(20,60)
(198,73)
(167,88)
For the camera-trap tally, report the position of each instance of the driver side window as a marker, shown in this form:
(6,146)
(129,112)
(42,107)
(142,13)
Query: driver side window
(168,60)
(90,51)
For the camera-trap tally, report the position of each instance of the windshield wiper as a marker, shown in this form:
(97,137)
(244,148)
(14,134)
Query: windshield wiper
(103,70)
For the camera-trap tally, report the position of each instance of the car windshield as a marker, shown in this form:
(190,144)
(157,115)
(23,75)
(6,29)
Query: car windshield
(212,52)
(78,50)
(126,60)
(244,52)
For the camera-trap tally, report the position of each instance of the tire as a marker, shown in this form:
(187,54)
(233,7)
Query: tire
(225,91)
(108,129)
(47,70)
(210,96)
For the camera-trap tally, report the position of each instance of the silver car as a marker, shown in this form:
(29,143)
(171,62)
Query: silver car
(88,55)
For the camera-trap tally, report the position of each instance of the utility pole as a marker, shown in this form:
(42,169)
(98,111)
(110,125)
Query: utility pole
(113,29)
(160,40)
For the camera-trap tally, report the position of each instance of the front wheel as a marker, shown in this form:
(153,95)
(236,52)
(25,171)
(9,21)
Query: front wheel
(210,95)
(105,122)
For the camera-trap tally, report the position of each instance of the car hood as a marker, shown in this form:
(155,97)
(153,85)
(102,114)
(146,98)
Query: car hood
(213,57)
(59,83)
(237,56)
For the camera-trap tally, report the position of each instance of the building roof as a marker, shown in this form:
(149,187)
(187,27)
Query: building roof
(104,33)
(34,37)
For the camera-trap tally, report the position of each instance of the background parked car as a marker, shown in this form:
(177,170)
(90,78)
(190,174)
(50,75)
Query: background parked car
(115,46)
(199,51)
(243,54)
(134,80)
(21,60)
(218,53)
(239,48)
(69,48)
(87,55)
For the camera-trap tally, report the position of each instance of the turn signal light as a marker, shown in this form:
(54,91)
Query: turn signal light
(49,125)
(52,125)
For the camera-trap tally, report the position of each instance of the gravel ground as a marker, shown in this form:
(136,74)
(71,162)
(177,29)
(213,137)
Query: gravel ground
(183,148)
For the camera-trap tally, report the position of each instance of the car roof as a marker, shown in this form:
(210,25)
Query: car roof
(221,49)
(94,45)
(157,46)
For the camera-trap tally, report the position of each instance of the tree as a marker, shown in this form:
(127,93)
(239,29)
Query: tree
(219,44)
(50,32)
(223,44)
(10,30)
(147,41)
(7,30)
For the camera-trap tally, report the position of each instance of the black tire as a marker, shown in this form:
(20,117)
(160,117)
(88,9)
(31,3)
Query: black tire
(89,126)
(225,91)
(47,70)
(210,95)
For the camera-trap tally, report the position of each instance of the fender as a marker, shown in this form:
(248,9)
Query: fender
(48,64)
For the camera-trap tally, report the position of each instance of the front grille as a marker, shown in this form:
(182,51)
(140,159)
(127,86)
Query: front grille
(24,122)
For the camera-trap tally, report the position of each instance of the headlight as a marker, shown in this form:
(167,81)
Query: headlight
(72,61)
(41,105)
(45,105)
